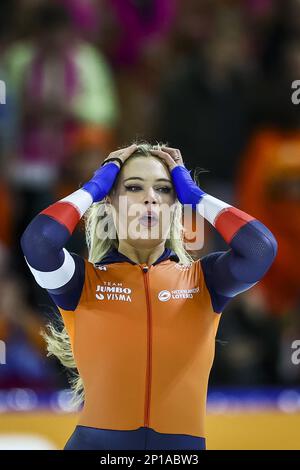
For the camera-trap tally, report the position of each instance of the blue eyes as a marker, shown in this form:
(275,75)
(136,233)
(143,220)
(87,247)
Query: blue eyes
(134,189)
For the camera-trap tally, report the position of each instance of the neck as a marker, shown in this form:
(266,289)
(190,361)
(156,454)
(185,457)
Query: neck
(141,255)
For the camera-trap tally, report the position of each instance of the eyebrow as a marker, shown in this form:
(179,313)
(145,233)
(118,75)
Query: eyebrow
(142,179)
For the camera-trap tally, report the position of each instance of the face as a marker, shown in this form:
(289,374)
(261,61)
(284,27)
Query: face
(144,185)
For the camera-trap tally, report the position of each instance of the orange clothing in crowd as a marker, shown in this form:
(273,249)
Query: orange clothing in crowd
(268,187)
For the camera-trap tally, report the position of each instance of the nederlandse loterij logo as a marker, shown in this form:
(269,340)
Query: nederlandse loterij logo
(165,295)
(2,92)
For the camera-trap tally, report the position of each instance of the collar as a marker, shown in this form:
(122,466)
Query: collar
(114,256)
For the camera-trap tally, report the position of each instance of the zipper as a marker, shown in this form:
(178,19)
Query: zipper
(145,270)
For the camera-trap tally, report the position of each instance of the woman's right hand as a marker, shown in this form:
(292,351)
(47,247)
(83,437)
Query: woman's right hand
(104,177)
(123,154)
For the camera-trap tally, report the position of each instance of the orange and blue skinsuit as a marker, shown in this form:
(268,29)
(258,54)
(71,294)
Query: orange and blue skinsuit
(143,337)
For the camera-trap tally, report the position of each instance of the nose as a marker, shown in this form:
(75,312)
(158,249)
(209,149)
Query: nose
(150,197)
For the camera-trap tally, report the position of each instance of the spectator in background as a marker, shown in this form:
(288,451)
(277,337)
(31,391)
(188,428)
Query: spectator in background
(26,364)
(268,183)
(134,35)
(85,15)
(204,106)
(66,97)
(248,345)
(7,130)
(282,23)
(7,110)
(6,210)
(127,26)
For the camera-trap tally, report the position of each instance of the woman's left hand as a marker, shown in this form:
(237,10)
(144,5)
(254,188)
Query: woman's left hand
(186,189)
(171,156)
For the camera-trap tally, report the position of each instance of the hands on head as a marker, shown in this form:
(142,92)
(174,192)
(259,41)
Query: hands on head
(172,157)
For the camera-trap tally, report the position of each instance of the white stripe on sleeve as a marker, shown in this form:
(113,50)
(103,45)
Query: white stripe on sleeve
(210,207)
(81,199)
(57,278)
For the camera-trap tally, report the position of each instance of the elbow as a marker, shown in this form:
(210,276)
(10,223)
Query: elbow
(26,240)
(42,243)
(256,254)
(265,246)
(34,242)
(270,248)
(274,247)
(267,254)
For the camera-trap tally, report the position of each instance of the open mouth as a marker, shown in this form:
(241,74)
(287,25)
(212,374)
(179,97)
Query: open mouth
(149,219)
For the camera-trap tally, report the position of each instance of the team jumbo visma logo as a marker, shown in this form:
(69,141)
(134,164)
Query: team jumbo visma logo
(113,291)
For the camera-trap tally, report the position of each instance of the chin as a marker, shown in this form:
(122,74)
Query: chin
(146,242)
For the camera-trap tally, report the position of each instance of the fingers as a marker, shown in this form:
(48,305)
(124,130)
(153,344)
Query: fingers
(162,154)
(166,157)
(176,154)
(170,155)
(124,151)
(171,151)
(128,151)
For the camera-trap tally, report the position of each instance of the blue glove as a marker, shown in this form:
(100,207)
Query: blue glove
(187,190)
(101,183)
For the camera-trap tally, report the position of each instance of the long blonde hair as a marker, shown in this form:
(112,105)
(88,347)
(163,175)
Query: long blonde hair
(57,338)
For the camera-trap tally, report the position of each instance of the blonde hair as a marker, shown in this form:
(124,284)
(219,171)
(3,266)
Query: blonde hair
(58,341)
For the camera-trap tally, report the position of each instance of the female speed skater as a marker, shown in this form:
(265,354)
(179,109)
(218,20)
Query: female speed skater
(140,316)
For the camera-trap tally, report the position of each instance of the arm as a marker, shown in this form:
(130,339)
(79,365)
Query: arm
(253,247)
(43,241)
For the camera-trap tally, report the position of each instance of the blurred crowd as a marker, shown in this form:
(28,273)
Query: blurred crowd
(212,78)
